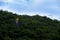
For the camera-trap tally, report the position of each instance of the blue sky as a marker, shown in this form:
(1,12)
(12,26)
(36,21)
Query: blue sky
(49,8)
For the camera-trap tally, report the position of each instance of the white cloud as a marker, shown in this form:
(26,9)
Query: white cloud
(6,1)
(32,5)
(38,1)
(55,7)
(33,13)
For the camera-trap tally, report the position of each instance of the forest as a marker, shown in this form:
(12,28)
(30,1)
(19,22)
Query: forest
(28,27)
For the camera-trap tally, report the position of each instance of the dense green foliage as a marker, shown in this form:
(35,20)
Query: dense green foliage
(30,28)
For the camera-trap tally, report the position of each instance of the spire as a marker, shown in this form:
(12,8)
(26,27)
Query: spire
(17,19)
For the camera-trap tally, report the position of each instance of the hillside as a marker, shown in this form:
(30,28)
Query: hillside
(28,27)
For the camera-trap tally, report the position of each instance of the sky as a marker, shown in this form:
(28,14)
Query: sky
(49,8)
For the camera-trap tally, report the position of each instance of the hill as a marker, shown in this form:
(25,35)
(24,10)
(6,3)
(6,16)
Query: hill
(28,27)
